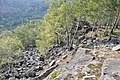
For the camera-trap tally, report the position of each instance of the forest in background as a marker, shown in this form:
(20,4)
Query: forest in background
(57,23)
(17,12)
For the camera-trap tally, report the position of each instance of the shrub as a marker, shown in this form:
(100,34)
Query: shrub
(9,46)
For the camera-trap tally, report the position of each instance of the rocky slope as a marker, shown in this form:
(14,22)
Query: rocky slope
(100,63)
(90,58)
(88,64)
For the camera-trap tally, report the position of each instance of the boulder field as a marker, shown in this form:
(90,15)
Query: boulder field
(60,64)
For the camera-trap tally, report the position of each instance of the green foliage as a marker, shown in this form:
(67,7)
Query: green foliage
(9,45)
(61,14)
(11,42)
(46,38)
(54,74)
(117,32)
(58,20)
(27,33)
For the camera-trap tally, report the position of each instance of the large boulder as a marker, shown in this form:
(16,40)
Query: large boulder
(80,59)
(110,69)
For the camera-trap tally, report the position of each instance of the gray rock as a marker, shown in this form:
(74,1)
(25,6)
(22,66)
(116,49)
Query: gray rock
(111,68)
(91,77)
(116,48)
(60,53)
(52,63)
(32,74)
(85,70)
(45,73)
(38,68)
(95,62)
(63,75)
(19,69)
(12,78)
(80,58)
(107,77)
(64,56)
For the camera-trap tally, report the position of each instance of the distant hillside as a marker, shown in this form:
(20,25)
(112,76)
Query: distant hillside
(14,12)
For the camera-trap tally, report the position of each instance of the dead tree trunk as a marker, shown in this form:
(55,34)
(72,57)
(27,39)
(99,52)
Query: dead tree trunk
(67,39)
(107,26)
(115,24)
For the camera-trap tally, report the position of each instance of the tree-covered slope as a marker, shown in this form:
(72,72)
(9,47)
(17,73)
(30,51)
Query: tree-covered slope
(62,22)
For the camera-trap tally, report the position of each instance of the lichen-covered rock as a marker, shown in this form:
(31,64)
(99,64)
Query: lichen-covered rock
(111,68)
(72,69)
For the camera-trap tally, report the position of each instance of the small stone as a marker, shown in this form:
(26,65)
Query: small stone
(58,61)
(60,53)
(7,76)
(19,69)
(17,76)
(12,78)
(85,70)
(94,62)
(91,77)
(52,58)
(52,63)
(101,54)
(38,68)
(116,48)
(64,56)
(41,59)
(38,73)
(107,77)
(32,74)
